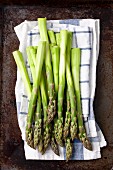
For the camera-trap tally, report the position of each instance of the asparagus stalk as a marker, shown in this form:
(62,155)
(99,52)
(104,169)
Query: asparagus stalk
(55,62)
(55,50)
(63,45)
(67,118)
(58,39)
(51,87)
(30,61)
(70,102)
(67,138)
(33,52)
(73,127)
(38,121)
(23,71)
(34,94)
(52,37)
(49,73)
(75,63)
(46,128)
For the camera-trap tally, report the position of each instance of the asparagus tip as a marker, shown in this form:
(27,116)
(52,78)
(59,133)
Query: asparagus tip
(87,144)
(29,135)
(40,145)
(54,146)
(68,149)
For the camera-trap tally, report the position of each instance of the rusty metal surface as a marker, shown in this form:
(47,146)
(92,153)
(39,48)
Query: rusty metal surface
(58,3)
(11,144)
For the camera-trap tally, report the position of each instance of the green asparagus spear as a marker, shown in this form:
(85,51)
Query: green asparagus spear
(22,68)
(67,137)
(62,67)
(32,103)
(46,126)
(38,121)
(73,127)
(55,51)
(75,63)
(72,102)
(49,73)
(23,71)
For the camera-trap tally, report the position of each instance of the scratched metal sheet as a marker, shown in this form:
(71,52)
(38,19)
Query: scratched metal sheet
(12,153)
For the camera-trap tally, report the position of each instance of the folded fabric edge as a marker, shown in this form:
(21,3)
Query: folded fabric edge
(33,155)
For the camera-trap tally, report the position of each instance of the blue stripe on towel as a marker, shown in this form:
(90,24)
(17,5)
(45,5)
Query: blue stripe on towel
(85,81)
(86,48)
(70,21)
(30,38)
(84,65)
(23,113)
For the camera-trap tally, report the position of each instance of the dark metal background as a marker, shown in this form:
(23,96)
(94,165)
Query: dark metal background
(12,153)
(58,3)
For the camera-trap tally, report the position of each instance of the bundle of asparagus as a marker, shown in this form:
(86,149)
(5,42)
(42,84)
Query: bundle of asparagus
(55,69)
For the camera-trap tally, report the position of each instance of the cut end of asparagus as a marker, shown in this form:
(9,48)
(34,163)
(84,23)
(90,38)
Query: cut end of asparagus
(68,149)
(43,29)
(54,146)
(41,19)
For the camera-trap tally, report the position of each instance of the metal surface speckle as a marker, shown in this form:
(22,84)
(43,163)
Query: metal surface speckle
(11,143)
